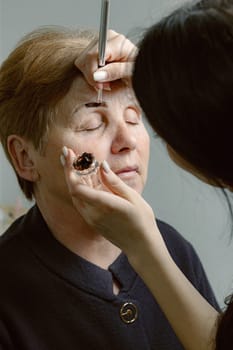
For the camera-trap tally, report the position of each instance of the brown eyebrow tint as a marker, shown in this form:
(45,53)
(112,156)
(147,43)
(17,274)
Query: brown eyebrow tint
(94,104)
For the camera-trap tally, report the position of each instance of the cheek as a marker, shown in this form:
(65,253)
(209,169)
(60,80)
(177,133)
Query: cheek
(143,144)
(96,147)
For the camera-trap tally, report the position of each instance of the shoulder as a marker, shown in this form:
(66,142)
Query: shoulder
(173,239)
(10,236)
(181,250)
(188,261)
(11,241)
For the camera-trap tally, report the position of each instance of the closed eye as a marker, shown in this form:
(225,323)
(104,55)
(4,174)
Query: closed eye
(93,128)
(133,122)
(90,126)
(132,116)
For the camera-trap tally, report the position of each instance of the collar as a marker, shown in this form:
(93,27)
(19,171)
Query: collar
(71,267)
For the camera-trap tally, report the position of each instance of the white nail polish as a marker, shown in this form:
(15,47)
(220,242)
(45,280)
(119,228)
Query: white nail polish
(65,151)
(62,160)
(100,75)
(105,166)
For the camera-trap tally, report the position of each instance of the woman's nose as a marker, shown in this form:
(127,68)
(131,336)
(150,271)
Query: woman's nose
(124,139)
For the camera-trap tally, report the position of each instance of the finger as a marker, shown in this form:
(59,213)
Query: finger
(80,188)
(87,61)
(95,196)
(114,71)
(114,184)
(91,179)
(119,48)
(92,47)
(70,175)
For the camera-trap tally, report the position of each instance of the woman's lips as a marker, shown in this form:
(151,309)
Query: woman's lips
(127,172)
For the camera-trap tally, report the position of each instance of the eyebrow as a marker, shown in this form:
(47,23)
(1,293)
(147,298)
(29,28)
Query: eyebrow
(95,104)
(90,105)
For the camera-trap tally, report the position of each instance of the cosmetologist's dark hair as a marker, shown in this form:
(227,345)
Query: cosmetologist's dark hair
(183,79)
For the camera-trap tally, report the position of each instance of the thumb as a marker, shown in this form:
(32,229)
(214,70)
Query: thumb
(113,71)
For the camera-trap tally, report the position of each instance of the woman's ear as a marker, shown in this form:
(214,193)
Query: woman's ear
(21,153)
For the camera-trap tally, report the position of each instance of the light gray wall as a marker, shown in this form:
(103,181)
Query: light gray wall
(1,56)
(1,21)
(195,210)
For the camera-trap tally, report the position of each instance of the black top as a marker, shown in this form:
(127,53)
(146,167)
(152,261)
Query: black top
(52,299)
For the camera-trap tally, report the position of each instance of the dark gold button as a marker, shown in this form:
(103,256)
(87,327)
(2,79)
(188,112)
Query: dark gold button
(129,312)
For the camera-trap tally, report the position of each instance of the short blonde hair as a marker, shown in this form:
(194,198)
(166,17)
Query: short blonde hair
(33,79)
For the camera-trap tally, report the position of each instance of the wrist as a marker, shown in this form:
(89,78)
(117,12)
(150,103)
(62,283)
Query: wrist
(150,252)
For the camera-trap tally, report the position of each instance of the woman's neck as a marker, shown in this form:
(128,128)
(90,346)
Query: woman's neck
(70,229)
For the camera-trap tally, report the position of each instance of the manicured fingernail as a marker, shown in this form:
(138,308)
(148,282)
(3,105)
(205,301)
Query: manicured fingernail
(100,75)
(65,151)
(62,160)
(105,166)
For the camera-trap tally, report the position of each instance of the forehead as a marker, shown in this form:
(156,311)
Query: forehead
(81,92)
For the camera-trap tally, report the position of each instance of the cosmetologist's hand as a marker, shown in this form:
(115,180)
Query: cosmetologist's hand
(118,212)
(119,57)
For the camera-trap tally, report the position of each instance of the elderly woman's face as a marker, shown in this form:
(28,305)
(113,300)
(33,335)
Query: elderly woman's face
(112,131)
